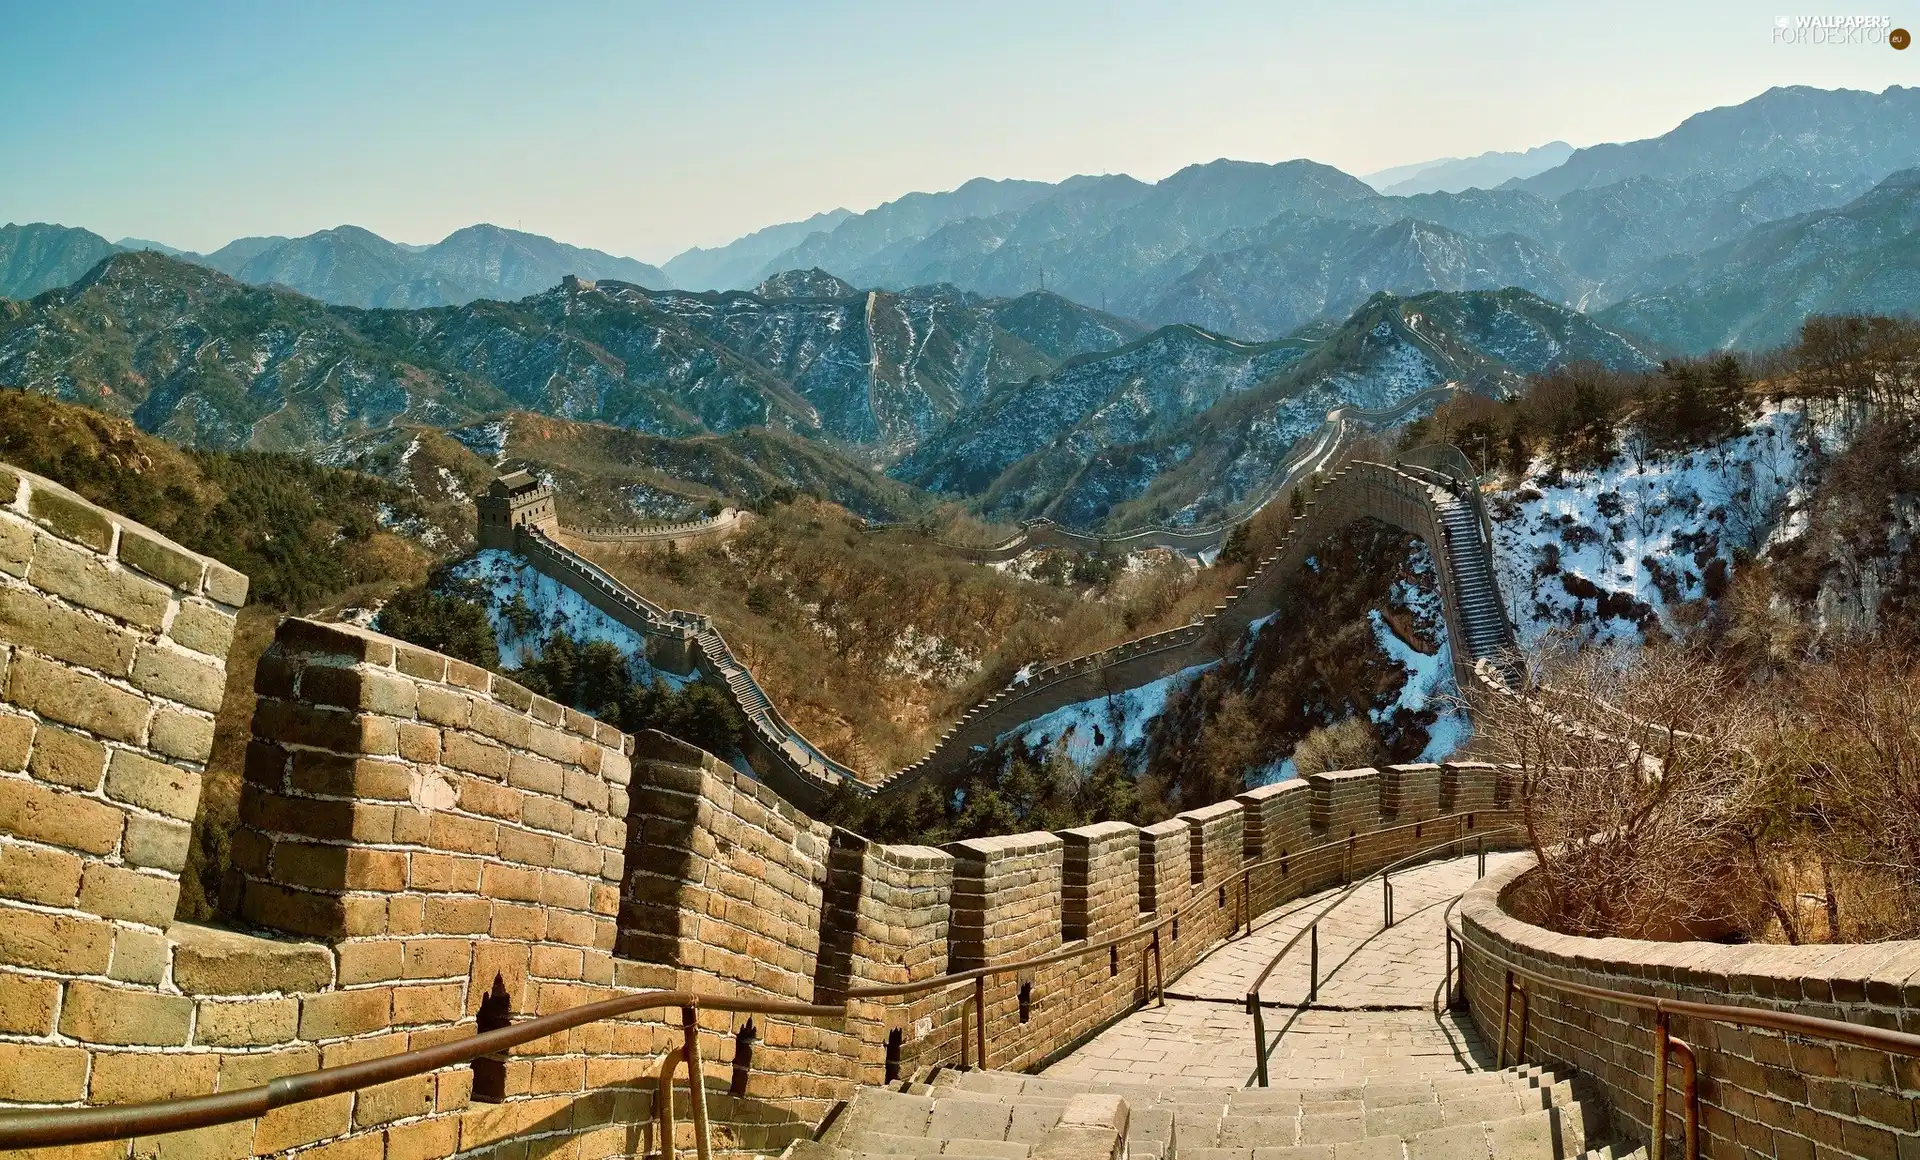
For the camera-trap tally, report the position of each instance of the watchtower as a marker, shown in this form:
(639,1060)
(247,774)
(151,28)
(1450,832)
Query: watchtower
(512,500)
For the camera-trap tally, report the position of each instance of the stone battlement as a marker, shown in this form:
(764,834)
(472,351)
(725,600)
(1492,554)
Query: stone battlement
(419,837)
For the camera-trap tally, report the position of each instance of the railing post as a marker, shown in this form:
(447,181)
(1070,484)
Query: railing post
(664,1100)
(1313,962)
(1159,979)
(1482,873)
(1506,1018)
(1689,1093)
(1259,1038)
(696,1084)
(1386,897)
(980,1021)
(966,1033)
(1657,1146)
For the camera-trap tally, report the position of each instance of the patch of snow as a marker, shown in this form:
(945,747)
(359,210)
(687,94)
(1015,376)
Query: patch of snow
(502,575)
(1085,730)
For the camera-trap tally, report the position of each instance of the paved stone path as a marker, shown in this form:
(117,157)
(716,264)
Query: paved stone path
(1375,1017)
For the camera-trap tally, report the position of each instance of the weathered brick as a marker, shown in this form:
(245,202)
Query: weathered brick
(182,735)
(89,582)
(368,690)
(75,698)
(26,1004)
(536,774)
(444,706)
(339,775)
(96,1013)
(247,1023)
(437,958)
(208,961)
(427,1140)
(180,676)
(153,785)
(160,558)
(399,1100)
(117,892)
(126,1077)
(35,812)
(226,585)
(338,1013)
(16,546)
(68,944)
(442,873)
(32,621)
(37,1074)
(416,1006)
(70,516)
(374,961)
(157,842)
(139,956)
(293,911)
(202,628)
(419,743)
(67,758)
(466,752)
(37,874)
(16,739)
(296,1125)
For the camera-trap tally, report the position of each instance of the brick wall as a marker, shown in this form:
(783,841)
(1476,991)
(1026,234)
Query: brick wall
(414,831)
(1761,1094)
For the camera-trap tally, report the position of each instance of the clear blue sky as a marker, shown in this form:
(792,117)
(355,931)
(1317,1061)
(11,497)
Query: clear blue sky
(643,128)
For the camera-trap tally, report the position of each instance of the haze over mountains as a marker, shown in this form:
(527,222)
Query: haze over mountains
(1190,330)
(346,266)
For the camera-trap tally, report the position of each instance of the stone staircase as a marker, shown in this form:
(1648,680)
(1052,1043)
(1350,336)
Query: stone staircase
(1524,1113)
(1484,622)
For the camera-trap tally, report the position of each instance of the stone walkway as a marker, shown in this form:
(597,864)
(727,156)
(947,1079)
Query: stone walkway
(1375,1017)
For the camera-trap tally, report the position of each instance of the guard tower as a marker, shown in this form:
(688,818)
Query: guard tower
(512,500)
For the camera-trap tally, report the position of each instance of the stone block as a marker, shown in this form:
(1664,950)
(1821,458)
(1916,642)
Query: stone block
(30,620)
(87,580)
(44,1074)
(67,758)
(119,892)
(68,944)
(226,585)
(186,736)
(129,1077)
(341,1013)
(96,1013)
(26,1004)
(180,676)
(70,517)
(37,874)
(72,697)
(209,961)
(16,740)
(153,785)
(139,956)
(161,558)
(58,818)
(157,842)
(202,628)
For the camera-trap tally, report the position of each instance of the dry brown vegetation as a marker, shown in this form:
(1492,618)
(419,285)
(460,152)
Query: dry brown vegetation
(871,644)
(1669,795)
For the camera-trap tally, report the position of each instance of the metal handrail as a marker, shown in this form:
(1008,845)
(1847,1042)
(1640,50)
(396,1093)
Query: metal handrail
(56,1126)
(1312,932)
(1665,1045)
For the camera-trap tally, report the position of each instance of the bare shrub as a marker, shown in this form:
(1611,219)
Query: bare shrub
(1848,736)
(1636,793)
(1351,743)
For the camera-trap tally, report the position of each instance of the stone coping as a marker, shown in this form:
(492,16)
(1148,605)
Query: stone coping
(1755,974)
(73,517)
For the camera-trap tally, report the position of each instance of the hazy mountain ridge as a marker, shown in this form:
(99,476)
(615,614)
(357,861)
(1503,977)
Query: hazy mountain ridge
(1257,250)
(1184,425)
(39,256)
(1863,257)
(1481,171)
(211,361)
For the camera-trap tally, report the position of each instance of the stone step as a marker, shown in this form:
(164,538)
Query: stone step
(985,1125)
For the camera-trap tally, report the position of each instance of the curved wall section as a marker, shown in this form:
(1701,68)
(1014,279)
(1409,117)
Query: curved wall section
(1761,1093)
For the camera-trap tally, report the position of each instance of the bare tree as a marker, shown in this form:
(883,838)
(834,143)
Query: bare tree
(1635,791)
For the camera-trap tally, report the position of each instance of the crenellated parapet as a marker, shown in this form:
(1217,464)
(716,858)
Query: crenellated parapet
(425,847)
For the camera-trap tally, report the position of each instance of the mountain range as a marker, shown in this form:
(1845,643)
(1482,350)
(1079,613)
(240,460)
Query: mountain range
(1026,405)
(1259,250)
(345,266)
(1453,174)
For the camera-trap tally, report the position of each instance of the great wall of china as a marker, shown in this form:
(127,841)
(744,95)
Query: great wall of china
(426,851)
(1428,492)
